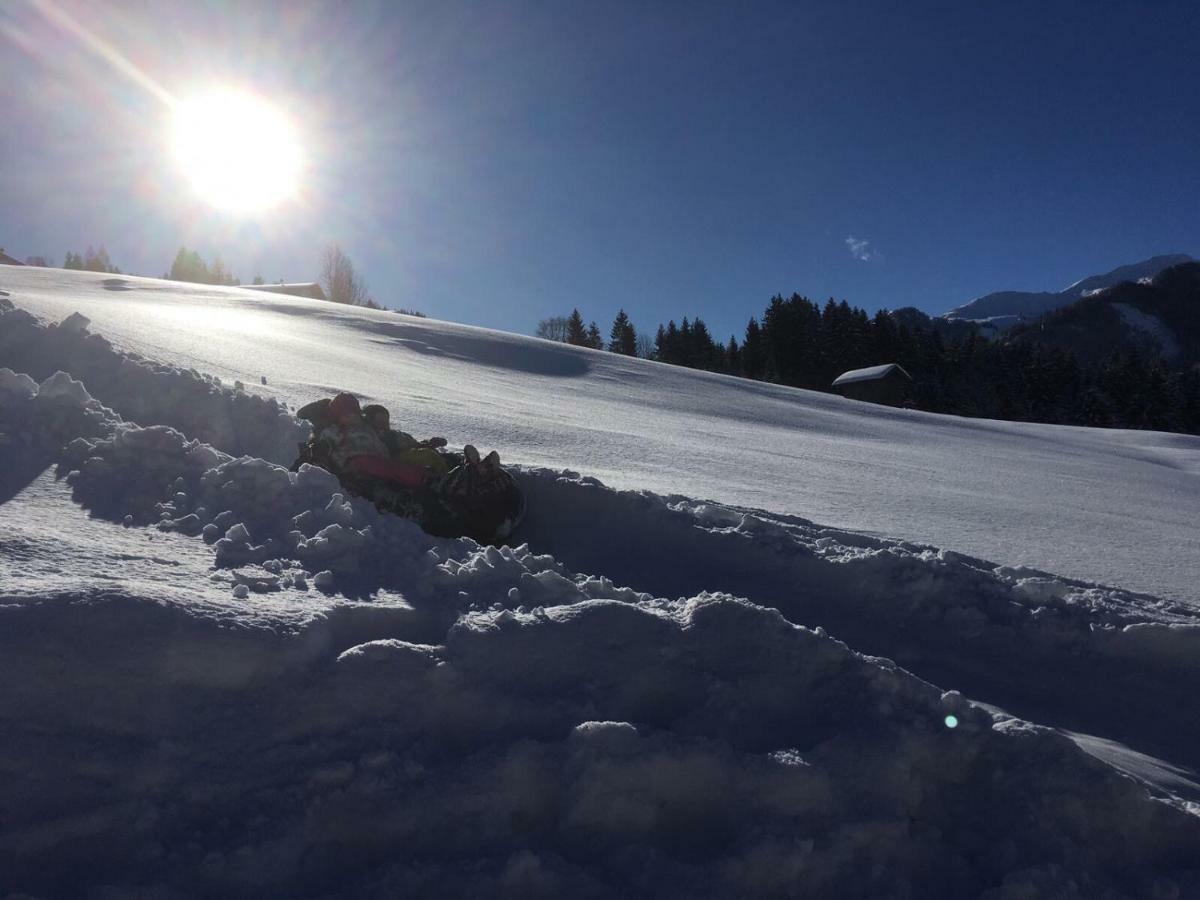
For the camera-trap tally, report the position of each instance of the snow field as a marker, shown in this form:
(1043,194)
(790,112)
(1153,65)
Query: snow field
(629,704)
(981,626)
(504,761)
(1111,507)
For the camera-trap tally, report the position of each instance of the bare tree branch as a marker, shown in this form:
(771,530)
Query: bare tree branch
(339,280)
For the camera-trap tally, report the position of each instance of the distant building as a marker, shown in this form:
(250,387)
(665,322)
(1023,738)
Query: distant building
(309,289)
(6,260)
(887,384)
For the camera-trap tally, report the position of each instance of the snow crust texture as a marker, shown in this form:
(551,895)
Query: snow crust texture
(654,696)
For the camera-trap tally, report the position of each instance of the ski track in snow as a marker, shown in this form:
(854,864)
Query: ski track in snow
(224,678)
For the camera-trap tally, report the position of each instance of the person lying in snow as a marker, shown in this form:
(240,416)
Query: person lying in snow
(355,448)
(448,496)
(404,447)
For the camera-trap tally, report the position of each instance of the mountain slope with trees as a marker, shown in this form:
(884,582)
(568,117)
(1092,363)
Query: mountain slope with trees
(1007,308)
(1124,357)
(1158,318)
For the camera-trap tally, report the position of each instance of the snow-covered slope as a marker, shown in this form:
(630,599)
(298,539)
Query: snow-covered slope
(1154,317)
(1115,507)
(1006,308)
(223,679)
(1151,326)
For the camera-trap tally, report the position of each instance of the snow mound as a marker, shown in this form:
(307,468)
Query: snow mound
(132,472)
(61,386)
(75,323)
(1055,650)
(703,748)
(20,385)
(37,420)
(141,391)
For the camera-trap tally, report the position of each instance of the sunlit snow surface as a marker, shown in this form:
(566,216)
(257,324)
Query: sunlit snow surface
(1115,507)
(222,679)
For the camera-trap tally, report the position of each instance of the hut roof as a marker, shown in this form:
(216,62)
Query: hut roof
(873,373)
(6,260)
(309,289)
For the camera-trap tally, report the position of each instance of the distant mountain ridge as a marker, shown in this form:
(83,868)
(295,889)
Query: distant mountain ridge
(1159,316)
(1004,309)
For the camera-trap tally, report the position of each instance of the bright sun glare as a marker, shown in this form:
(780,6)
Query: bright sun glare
(239,152)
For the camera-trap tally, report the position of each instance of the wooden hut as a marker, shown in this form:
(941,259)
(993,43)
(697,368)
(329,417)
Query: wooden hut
(887,384)
(6,260)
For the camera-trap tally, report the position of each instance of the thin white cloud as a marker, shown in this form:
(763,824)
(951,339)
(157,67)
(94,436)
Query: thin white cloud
(860,249)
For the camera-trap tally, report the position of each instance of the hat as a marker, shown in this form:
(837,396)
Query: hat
(373,409)
(344,405)
(316,412)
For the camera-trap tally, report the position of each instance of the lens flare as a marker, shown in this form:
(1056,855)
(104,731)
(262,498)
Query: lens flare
(240,153)
(951,721)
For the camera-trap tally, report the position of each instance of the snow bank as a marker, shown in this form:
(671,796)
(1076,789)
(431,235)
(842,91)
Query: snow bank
(1058,651)
(150,393)
(19,386)
(40,419)
(701,748)
(952,618)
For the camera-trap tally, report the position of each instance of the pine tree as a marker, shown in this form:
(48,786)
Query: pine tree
(623,337)
(752,350)
(576,333)
(791,333)
(1156,405)
(668,348)
(188,266)
(98,261)
(685,344)
(660,344)
(704,350)
(883,337)
(594,338)
(629,340)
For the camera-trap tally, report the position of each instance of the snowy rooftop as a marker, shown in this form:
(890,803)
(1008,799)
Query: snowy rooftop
(872,373)
(294,289)
(723,660)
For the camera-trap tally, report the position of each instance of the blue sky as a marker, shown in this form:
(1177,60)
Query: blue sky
(497,163)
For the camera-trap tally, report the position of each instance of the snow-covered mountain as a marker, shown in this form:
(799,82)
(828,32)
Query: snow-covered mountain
(1003,309)
(224,679)
(1158,316)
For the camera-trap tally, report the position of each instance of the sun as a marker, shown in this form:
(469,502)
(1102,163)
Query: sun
(240,153)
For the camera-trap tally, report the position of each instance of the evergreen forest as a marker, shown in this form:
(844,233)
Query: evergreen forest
(955,370)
